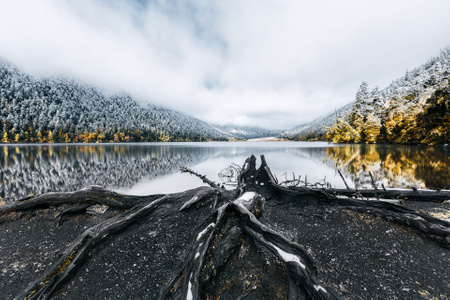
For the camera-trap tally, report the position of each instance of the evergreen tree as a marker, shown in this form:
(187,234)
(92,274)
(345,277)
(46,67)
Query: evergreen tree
(372,128)
(362,97)
(435,119)
(357,123)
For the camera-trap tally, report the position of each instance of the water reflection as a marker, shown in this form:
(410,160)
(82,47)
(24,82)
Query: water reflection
(395,166)
(153,168)
(39,169)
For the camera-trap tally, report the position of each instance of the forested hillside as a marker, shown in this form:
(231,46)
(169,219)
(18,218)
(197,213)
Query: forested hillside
(61,110)
(414,109)
(316,130)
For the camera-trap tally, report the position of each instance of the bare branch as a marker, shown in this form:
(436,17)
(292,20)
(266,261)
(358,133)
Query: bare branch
(185,169)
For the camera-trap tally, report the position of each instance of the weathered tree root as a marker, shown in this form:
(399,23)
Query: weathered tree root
(230,227)
(78,252)
(200,267)
(200,197)
(77,201)
(263,176)
(301,267)
(185,285)
(398,194)
(77,209)
(91,195)
(263,179)
(391,212)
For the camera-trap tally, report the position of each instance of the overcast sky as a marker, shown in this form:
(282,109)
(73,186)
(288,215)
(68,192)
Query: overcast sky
(274,64)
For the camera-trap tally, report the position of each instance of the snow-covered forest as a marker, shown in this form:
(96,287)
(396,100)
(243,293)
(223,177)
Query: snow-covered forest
(63,110)
(414,109)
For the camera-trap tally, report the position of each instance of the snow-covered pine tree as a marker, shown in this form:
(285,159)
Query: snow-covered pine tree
(402,107)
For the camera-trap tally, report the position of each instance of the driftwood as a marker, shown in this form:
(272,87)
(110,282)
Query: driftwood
(230,235)
(397,194)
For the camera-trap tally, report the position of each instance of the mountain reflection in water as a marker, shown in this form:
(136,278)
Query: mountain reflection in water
(39,169)
(154,168)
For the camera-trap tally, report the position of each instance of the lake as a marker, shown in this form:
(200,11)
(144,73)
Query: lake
(148,168)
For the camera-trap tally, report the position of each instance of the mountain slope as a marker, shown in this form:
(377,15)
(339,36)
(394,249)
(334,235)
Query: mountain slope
(316,128)
(412,109)
(63,110)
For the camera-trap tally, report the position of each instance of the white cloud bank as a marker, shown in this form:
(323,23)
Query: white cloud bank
(274,64)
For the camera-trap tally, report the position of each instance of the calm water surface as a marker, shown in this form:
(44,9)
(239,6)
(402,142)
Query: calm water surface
(147,168)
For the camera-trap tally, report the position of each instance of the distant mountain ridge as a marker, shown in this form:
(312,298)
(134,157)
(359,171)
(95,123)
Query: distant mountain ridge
(64,110)
(245,132)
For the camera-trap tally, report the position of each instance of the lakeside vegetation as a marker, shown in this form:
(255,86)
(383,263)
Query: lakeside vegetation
(100,136)
(427,123)
(413,109)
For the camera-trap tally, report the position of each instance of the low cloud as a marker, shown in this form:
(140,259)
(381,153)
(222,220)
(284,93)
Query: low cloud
(274,64)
